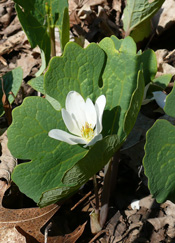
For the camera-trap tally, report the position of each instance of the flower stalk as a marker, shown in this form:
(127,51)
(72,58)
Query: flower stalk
(96,194)
(111,171)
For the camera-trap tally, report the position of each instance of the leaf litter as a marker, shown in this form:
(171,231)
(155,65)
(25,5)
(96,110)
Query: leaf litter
(153,222)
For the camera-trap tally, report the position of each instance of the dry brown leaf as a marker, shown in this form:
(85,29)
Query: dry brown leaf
(170,232)
(170,208)
(147,202)
(129,213)
(84,11)
(95,3)
(163,56)
(20,223)
(165,16)
(29,221)
(160,56)
(160,222)
(11,42)
(13,27)
(116,5)
(3,61)
(157,237)
(7,161)
(74,236)
(6,105)
(72,5)
(168,69)
(27,62)
(10,235)
(169,219)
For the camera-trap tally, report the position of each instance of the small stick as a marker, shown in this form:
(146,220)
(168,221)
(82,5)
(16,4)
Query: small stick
(46,231)
(97,235)
(81,200)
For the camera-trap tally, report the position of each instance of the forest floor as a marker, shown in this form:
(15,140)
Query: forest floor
(69,222)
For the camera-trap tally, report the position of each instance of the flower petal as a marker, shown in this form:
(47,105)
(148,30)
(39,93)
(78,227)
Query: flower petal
(94,140)
(75,105)
(160,98)
(70,123)
(90,111)
(65,137)
(99,106)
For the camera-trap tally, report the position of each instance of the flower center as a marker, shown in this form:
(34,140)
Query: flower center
(87,132)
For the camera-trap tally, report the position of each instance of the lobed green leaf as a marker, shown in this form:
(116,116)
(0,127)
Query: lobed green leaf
(159,160)
(35,21)
(137,15)
(12,82)
(57,169)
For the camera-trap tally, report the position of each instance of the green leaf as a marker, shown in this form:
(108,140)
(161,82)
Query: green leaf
(43,64)
(170,103)
(38,84)
(136,102)
(162,81)
(147,58)
(63,25)
(142,31)
(138,13)
(117,42)
(50,158)
(85,168)
(119,81)
(56,105)
(36,17)
(12,82)
(57,169)
(159,160)
(149,62)
(78,69)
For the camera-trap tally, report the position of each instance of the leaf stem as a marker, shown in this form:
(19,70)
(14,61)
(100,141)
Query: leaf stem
(52,40)
(96,194)
(50,29)
(111,170)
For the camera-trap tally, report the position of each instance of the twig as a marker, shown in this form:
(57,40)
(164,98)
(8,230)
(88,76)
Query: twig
(46,231)
(97,235)
(81,200)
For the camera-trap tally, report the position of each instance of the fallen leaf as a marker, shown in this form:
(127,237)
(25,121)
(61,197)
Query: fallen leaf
(170,208)
(11,42)
(6,104)
(160,222)
(13,27)
(20,223)
(29,220)
(165,17)
(8,162)
(148,202)
(11,234)
(27,62)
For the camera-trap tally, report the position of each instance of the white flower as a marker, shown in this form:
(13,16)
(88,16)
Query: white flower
(84,119)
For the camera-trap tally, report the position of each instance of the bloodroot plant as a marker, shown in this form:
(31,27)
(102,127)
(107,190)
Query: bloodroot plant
(93,97)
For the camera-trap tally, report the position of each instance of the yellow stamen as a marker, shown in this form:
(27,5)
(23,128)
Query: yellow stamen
(87,132)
